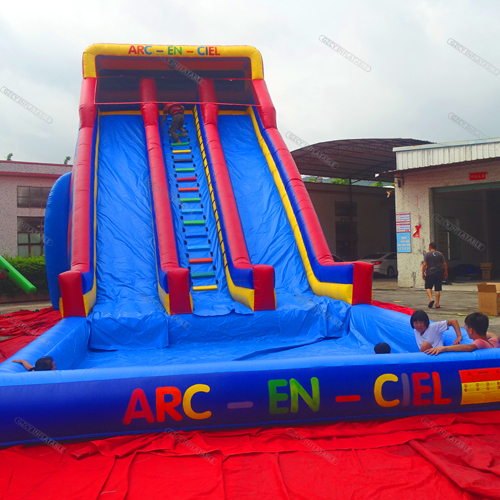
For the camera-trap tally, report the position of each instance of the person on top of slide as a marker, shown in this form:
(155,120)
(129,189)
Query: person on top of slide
(175,110)
(476,325)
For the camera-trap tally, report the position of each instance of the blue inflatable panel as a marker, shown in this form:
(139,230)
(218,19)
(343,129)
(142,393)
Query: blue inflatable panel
(56,235)
(126,314)
(297,324)
(103,402)
(268,234)
(67,342)
(267,231)
(207,303)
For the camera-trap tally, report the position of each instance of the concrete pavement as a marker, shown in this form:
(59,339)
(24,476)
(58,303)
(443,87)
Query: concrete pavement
(23,306)
(457,300)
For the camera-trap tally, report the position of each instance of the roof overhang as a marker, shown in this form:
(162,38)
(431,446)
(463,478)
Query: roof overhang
(28,169)
(447,153)
(360,159)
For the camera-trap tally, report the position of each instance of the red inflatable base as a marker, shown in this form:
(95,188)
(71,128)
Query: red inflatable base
(393,307)
(446,456)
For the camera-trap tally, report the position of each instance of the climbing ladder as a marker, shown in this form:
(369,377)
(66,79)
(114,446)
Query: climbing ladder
(195,231)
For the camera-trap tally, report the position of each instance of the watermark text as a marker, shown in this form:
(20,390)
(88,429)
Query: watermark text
(473,57)
(310,149)
(312,446)
(446,435)
(345,53)
(459,232)
(26,105)
(30,229)
(40,435)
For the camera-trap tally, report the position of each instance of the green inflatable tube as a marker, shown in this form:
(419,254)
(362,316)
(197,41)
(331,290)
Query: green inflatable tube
(16,276)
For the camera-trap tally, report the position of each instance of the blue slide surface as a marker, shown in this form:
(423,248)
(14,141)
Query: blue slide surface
(128,323)
(128,320)
(126,315)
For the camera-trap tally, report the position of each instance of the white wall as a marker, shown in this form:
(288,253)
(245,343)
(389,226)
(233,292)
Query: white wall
(414,196)
(373,218)
(9,212)
(12,175)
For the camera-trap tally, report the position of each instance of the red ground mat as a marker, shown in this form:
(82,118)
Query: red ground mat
(393,307)
(451,456)
(447,456)
(23,327)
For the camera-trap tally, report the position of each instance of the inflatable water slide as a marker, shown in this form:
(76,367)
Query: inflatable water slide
(194,282)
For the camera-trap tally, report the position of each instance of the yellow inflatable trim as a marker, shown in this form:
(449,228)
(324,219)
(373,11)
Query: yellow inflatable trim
(335,290)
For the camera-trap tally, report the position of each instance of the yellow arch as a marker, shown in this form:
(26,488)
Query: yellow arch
(162,51)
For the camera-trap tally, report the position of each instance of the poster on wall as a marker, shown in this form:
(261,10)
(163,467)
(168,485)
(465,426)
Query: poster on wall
(403,242)
(403,232)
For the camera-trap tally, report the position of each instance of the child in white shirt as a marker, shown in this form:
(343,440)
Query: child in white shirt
(431,335)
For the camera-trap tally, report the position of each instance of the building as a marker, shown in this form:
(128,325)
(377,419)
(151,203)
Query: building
(451,190)
(24,188)
(373,226)
(357,220)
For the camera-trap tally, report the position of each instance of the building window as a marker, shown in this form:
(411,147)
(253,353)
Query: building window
(32,197)
(29,236)
(343,208)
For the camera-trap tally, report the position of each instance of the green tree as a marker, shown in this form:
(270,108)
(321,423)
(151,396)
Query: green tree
(9,156)
(378,184)
(66,160)
(339,181)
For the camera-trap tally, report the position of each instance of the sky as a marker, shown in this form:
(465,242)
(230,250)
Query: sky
(409,82)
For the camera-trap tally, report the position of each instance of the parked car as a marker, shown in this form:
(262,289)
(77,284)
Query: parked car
(465,272)
(383,263)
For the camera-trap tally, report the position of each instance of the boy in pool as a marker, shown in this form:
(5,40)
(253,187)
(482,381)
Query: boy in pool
(382,348)
(429,336)
(42,365)
(476,326)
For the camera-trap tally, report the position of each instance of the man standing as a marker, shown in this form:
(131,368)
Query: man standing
(433,272)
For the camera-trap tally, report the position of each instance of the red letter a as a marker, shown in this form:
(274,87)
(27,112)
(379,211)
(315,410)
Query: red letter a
(144,412)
